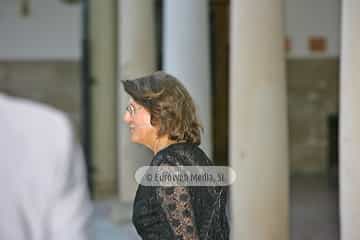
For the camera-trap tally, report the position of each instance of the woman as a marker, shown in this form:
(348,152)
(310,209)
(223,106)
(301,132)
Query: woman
(161,115)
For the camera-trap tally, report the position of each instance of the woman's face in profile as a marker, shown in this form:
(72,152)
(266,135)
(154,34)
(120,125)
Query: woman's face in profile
(138,120)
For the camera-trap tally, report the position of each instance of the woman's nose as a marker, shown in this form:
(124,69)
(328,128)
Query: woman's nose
(126,117)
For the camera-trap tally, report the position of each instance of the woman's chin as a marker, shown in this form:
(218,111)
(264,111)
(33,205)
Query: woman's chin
(134,139)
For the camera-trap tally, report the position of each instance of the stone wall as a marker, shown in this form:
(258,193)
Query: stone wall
(56,83)
(313,94)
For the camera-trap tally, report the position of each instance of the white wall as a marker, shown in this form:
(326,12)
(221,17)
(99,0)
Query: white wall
(305,18)
(51,31)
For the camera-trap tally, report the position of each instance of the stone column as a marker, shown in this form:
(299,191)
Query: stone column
(137,57)
(350,121)
(103,44)
(186,54)
(258,121)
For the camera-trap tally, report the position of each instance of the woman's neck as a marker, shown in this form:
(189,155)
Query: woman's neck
(161,143)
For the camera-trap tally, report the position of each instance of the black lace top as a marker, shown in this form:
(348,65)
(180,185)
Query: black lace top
(177,212)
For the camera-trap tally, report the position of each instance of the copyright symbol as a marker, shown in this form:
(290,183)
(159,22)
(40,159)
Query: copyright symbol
(149,177)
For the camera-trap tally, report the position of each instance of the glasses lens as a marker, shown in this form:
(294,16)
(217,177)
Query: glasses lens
(130,109)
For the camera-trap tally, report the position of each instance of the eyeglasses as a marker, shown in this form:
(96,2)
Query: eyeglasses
(132,109)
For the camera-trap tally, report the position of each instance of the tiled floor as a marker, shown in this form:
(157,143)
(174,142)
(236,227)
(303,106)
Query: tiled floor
(314,209)
(112,221)
(314,213)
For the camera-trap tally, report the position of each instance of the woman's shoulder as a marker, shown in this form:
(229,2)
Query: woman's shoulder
(182,154)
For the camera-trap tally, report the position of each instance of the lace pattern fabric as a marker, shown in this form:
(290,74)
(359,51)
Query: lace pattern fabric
(179,212)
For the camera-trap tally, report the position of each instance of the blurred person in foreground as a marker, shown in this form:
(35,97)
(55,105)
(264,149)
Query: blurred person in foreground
(43,186)
(161,115)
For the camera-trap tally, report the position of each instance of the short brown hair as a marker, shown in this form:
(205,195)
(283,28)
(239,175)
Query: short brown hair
(170,105)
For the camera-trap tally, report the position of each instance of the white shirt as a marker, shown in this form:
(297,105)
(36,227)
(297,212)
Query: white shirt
(43,191)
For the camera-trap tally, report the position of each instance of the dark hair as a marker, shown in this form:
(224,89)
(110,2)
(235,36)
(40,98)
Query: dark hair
(170,105)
